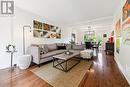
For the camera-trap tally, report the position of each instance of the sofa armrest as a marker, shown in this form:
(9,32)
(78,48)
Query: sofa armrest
(35,53)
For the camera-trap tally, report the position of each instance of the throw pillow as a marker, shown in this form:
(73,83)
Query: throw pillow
(51,47)
(43,49)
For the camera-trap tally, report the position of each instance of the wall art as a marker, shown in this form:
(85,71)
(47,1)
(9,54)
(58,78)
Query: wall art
(126,10)
(44,30)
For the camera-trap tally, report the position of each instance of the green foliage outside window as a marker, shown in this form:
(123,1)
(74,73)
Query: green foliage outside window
(92,38)
(89,38)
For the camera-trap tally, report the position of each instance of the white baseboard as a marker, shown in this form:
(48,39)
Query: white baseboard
(122,70)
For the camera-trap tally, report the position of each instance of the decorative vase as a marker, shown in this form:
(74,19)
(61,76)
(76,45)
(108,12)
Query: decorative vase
(24,61)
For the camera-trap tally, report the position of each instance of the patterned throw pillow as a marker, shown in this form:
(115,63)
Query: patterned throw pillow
(43,49)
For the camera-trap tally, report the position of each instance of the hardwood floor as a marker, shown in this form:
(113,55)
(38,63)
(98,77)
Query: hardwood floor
(103,73)
(20,78)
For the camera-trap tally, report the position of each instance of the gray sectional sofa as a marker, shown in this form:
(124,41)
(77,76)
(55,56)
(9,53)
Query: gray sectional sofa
(43,52)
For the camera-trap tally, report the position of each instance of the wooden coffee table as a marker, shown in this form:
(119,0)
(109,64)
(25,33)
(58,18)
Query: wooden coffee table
(63,58)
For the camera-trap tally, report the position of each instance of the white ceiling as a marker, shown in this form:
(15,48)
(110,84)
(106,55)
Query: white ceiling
(67,12)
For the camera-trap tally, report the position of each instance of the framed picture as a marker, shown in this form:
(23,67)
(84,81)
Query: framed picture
(37,25)
(118,28)
(118,35)
(126,10)
(44,30)
(46,27)
(53,28)
(39,34)
(117,45)
(126,32)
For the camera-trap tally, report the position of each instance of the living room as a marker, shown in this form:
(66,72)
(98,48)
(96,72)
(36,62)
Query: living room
(39,39)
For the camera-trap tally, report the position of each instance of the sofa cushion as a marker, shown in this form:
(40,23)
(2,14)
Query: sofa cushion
(78,47)
(49,54)
(51,47)
(60,44)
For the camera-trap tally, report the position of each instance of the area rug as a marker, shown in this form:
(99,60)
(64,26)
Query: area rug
(58,78)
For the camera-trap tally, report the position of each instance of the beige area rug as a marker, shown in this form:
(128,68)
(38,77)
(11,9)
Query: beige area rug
(58,78)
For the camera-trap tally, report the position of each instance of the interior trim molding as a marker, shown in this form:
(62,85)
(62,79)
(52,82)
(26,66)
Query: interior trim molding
(122,70)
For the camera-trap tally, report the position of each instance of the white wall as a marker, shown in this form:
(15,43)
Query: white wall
(123,58)
(11,32)
(5,38)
